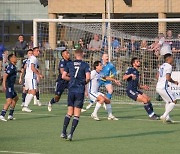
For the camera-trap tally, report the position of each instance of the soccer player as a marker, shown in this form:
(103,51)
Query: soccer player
(164,76)
(78,74)
(108,72)
(61,84)
(31,78)
(9,79)
(132,90)
(96,96)
(23,69)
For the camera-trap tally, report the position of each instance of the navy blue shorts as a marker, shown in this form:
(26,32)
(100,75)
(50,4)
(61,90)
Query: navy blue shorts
(133,94)
(10,93)
(61,85)
(76,99)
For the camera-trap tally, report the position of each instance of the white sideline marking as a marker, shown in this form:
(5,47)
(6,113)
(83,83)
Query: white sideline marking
(35,114)
(18,152)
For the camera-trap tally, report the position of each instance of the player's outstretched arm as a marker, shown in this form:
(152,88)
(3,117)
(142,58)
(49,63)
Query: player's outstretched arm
(145,87)
(127,76)
(113,80)
(168,78)
(4,81)
(36,71)
(88,77)
(21,76)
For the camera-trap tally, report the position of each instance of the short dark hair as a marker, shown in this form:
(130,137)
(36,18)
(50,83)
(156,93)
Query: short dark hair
(29,50)
(167,56)
(35,48)
(79,51)
(10,56)
(63,51)
(20,35)
(133,60)
(96,63)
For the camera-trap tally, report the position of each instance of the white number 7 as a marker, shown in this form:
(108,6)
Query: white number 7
(77,70)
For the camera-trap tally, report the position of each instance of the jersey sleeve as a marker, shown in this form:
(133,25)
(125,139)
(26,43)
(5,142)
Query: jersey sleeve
(93,74)
(62,64)
(128,71)
(9,69)
(169,69)
(33,60)
(87,68)
(66,69)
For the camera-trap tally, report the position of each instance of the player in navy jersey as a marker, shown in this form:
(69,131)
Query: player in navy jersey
(78,74)
(9,79)
(23,71)
(61,84)
(132,76)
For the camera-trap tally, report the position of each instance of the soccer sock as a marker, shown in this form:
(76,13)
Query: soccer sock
(109,109)
(97,107)
(66,123)
(37,95)
(168,109)
(52,101)
(3,112)
(23,97)
(28,99)
(166,105)
(90,101)
(109,95)
(148,109)
(11,111)
(151,106)
(74,124)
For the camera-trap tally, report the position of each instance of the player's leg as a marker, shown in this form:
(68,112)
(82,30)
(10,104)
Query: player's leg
(78,104)
(32,86)
(24,92)
(109,88)
(12,107)
(37,97)
(5,108)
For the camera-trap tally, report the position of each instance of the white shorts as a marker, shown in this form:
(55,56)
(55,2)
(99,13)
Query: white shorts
(93,96)
(30,84)
(167,95)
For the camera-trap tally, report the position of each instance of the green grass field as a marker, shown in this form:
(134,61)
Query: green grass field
(39,132)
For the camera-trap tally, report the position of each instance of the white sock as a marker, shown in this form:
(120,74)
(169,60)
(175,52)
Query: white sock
(97,107)
(168,109)
(109,109)
(167,117)
(28,99)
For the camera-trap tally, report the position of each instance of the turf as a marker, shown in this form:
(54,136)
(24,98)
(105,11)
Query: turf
(39,132)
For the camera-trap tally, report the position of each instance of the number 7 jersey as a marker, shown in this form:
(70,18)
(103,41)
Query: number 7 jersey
(163,70)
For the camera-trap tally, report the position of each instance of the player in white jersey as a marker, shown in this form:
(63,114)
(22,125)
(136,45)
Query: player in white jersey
(31,78)
(164,76)
(96,96)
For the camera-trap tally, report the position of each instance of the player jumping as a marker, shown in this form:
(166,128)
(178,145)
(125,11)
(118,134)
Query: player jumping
(132,90)
(79,76)
(61,84)
(9,79)
(164,76)
(96,96)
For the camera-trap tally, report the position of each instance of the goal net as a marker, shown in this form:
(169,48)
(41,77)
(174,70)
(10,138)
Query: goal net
(122,39)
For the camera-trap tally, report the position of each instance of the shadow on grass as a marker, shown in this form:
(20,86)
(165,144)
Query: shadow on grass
(129,135)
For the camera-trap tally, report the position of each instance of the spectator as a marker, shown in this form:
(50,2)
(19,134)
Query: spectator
(20,46)
(156,41)
(133,46)
(2,50)
(30,44)
(95,44)
(144,45)
(169,35)
(176,52)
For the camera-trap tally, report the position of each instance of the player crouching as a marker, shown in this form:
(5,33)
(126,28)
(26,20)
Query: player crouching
(9,79)
(96,96)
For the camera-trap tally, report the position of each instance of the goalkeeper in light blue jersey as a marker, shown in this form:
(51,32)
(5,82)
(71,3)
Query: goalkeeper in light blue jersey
(107,75)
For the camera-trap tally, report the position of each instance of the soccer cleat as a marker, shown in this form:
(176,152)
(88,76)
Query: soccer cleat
(64,136)
(112,118)
(169,120)
(2,118)
(22,104)
(26,109)
(10,117)
(155,117)
(95,117)
(39,103)
(49,107)
(89,106)
(69,138)
(83,110)
(163,119)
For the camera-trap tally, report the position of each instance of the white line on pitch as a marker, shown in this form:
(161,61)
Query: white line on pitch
(16,152)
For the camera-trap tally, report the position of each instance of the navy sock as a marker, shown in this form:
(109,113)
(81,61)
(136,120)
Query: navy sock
(66,123)
(148,109)
(23,97)
(151,106)
(11,111)
(37,95)
(52,101)
(74,124)
(3,112)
